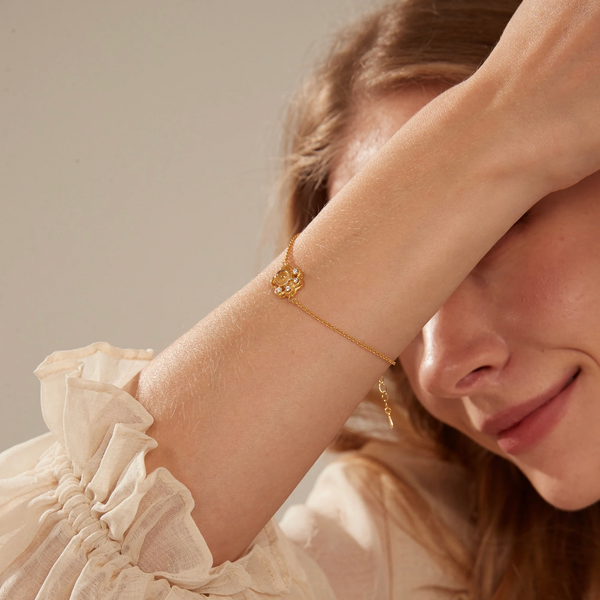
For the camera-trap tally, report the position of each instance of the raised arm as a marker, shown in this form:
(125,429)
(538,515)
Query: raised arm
(246,401)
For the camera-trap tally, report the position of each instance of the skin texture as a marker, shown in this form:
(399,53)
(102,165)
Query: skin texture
(246,401)
(524,320)
(410,227)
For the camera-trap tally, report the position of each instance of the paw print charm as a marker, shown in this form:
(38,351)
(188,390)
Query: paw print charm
(287,281)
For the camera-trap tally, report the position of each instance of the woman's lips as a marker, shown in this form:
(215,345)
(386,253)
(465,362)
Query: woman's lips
(518,429)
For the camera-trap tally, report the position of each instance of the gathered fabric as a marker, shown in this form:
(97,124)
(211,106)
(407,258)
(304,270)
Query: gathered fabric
(81,519)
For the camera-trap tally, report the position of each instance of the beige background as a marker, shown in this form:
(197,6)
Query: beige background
(138,151)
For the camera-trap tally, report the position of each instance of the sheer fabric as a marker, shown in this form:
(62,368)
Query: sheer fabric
(81,519)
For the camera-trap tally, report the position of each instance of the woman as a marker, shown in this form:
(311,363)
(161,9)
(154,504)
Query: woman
(446,202)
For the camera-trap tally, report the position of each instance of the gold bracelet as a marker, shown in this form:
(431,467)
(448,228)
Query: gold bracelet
(287,281)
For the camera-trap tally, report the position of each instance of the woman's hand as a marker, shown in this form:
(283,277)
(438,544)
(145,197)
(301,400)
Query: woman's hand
(546,72)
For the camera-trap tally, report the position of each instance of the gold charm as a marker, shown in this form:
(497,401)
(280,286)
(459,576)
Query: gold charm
(287,281)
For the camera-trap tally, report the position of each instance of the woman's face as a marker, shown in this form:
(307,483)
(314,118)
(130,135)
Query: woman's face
(512,359)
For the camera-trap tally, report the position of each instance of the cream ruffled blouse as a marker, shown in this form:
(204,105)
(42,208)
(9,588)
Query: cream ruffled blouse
(80,518)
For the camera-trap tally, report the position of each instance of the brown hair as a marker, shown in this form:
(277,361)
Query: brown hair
(523,547)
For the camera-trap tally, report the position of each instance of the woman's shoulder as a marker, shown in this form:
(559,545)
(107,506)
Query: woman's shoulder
(366,521)
(444,485)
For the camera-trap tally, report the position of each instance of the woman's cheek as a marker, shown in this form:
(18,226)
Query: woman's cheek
(558,295)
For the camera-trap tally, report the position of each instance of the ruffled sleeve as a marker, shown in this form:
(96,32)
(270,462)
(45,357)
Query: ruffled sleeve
(80,518)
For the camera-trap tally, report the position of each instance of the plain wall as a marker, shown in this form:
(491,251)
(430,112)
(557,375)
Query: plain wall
(139,146)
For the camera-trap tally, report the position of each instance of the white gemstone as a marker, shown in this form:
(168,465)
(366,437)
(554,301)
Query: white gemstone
(287,288)
(278,290)
(295,271)
(296,280)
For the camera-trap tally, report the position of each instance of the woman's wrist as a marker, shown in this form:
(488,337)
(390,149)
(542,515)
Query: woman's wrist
(544,81)
(489,134)
(411,225)
(512,152)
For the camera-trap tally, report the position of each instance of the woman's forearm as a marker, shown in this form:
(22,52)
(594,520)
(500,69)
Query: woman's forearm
(246,401)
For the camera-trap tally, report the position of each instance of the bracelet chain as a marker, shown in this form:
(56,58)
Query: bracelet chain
(288,281)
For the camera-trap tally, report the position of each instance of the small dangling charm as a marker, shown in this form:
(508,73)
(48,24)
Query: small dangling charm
(384,395)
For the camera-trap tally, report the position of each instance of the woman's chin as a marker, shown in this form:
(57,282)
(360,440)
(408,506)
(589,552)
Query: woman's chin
(565,495)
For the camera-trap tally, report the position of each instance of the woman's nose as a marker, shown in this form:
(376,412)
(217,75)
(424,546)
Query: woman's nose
(464,350)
